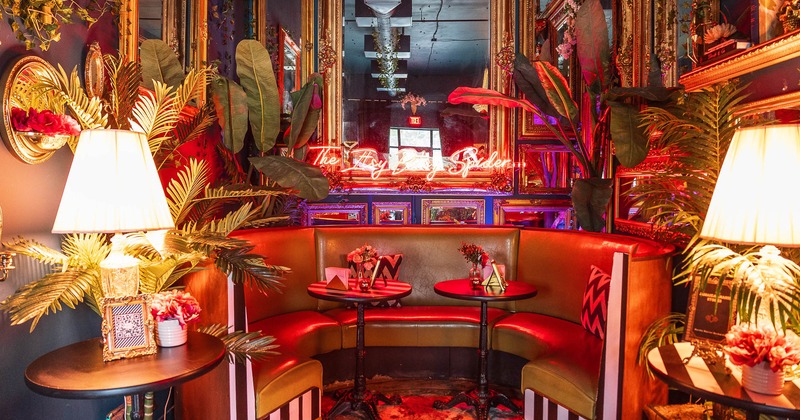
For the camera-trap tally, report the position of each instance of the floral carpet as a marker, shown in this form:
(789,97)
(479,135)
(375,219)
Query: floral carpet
(418,397)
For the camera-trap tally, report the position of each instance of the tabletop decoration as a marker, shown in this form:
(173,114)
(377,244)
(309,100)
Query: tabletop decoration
(479,258)
(762,353)
(48,129)
(365,258)
(172,310)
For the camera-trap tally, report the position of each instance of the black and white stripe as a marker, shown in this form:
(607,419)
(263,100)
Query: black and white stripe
(306,406)
(538,407)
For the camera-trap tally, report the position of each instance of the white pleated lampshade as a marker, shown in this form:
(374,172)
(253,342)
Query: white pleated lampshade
(756,200)
(112,187)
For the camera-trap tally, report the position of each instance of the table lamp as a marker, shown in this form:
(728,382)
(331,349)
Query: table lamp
(113,187)
(754,202)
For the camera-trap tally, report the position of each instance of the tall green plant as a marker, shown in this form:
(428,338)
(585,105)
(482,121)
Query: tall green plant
(259,91)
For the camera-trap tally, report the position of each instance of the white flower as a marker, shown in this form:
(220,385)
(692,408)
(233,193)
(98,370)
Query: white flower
(723,30)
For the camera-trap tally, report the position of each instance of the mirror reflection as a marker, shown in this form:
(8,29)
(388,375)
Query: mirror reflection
(452,212)
(400,63)
(336,214)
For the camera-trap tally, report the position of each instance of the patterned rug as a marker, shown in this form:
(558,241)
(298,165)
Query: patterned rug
(418,397)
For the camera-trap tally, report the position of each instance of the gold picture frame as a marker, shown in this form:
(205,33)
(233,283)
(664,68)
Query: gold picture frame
(545,169)
(127,327)
(453,211)
(323,214)
(542,213)
(391,213)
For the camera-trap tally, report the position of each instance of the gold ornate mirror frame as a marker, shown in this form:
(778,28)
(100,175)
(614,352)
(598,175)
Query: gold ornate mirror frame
(328,48)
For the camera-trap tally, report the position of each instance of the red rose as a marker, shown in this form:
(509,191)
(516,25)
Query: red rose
(19,119)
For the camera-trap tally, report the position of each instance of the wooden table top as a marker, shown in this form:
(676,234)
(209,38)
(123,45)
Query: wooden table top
(379,292)
(696,378)
(78,371)
(462,289)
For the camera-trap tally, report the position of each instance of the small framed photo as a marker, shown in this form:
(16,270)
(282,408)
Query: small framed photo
(710,314)
(127,327)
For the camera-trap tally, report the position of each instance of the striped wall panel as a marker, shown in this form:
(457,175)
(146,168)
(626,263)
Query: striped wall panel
(307,406)
(538,407)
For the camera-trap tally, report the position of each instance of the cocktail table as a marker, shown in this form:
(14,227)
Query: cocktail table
(77,371)
(359,399)
(482,398)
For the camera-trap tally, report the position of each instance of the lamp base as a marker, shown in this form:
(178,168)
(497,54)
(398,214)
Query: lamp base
(119,273)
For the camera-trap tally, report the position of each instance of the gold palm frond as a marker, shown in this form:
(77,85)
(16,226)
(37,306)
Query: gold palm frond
(250,269)
(241,346)
(192,86)
(231,221)
(156,115)
(184,188)
(86,250)
(37,251)
(665,330)
(39,298)
(124,77)
(87,111)
(157,276)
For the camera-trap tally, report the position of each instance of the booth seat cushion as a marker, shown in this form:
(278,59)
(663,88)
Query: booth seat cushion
(564,359)
(279,379)
(302,333)
(426,326)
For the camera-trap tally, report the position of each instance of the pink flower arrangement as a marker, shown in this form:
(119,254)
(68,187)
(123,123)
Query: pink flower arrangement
(46,122)
(474,254)
(364,254)
(751,345)
(175,304)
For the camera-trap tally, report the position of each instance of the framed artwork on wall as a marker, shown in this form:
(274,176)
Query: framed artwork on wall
(545,168)
(453,211)
(548,213)
(127,327)
(324,214)
(391,213)
(709,314)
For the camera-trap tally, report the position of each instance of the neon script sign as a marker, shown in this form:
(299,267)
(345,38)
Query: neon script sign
(461,163)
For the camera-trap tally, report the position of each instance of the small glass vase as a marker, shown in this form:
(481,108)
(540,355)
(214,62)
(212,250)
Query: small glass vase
(360,271)
(761,379)
(169,333)
(475,275)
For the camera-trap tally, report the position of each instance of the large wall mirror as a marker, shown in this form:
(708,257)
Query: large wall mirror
(391,50)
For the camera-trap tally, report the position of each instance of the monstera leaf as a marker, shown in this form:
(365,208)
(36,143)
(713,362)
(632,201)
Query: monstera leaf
(159,63)
(254,68)
(308,180)
(230,104)
(590,198)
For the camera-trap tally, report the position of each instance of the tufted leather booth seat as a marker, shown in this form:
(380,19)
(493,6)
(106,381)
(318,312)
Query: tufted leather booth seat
(564,361)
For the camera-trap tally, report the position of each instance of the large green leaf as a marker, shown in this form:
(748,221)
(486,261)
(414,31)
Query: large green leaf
(630,141)
(590,198)
(159,63)
(306,114)
(527,80)
(489,97)
(254,68)
(306,179)
(557,90)
(230,104)
(594,53)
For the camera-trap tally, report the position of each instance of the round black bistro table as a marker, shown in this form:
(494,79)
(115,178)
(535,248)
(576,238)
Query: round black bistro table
(696,378)
(482,398)
(359,399)
(77,371)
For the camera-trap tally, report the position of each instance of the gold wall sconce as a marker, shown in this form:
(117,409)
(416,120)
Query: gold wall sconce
(18,81)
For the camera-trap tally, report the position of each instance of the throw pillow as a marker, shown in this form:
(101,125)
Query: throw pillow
(595,302)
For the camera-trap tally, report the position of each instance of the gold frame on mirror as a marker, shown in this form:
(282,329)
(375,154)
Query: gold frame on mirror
(333,213)
(449,207)
(329,62)
(17,81)
(502,209)
(560,161)
(127,327)
(379,208)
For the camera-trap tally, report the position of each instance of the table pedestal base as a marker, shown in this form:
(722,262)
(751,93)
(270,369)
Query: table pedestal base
(347,401)
(482,403)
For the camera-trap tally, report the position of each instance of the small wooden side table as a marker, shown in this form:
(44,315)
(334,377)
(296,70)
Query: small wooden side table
(77,371)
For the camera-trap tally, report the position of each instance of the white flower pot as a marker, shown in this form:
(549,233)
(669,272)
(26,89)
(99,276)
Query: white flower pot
(170,334)
(761,379)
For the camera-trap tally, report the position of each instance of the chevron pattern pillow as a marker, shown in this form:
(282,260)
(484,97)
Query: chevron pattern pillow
(389,266)
(595,303)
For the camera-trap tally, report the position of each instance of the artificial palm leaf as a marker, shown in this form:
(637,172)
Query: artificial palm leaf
(185,187)
(663,331)
(86,250)
(48,294)
(241,346)
(124,78)
(37,251)
(87,111)
(231,221)
(250,269)
(156,114)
